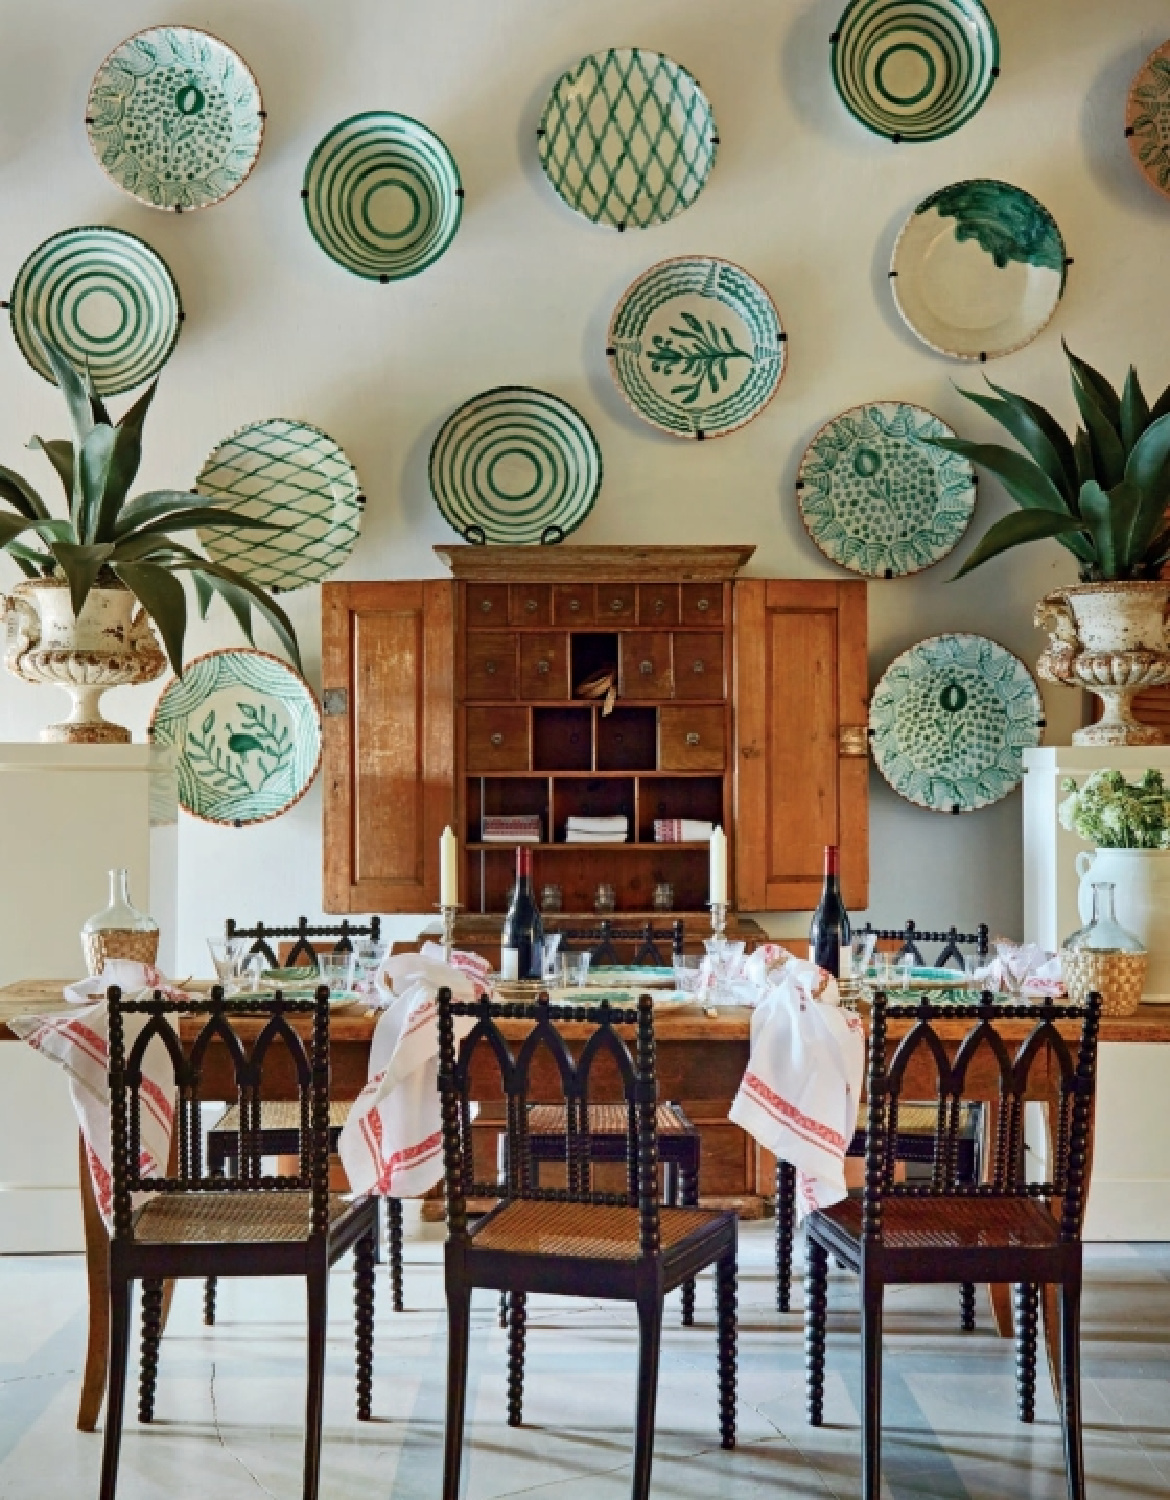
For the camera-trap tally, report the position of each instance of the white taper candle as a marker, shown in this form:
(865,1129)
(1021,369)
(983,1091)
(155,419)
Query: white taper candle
(448,868)
(719,867)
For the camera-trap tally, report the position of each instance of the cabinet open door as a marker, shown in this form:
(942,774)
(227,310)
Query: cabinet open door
(801,745)
(387,652)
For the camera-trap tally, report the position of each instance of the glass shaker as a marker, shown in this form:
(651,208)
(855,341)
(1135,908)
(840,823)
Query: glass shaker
(120,930)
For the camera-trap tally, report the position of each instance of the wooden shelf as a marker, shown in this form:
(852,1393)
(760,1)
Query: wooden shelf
(509,845)
(544,775)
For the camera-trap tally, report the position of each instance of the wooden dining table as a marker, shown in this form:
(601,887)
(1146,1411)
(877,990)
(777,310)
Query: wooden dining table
(701,1061)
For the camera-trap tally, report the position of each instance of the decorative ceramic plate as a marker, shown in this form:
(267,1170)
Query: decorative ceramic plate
(648,976)
(1147,118)
(382,196)
(246,731)
(105,298)
(175,118)
(878,497)
(696,347)
(915,70)
(950,721)
(627,138)
(663,999)
(978,269)
(298,478)
(922,977)
(515,465)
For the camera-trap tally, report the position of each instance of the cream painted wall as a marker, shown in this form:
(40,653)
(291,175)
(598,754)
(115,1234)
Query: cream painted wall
(801,196)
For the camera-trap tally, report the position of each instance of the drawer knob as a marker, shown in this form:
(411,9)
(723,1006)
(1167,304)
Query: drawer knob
(530,606)
(574,606)
(617,605)
(692,738)
(659,606)
(542,667)
(703,606)
(498,738)
(486,606)
(698,666)
(490,668)
(646,668)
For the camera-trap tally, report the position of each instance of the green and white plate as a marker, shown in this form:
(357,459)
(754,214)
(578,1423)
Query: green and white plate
(382,196)
(649,976)
(696,347)
(296,477)
(950,721)
(246,732)
(877,497)
(175,118)
(978,269)
(105,298)
(627,138)
(915,70)
(1147,118)
(515,465)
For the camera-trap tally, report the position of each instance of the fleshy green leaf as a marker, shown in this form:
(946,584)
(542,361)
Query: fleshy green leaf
(1019,528)
(1135,410)
(195,516)
(124,465)
(1148,469)
(153,505)
(93,469)
(1107,398)
(81,566)
(13,526)
(97,407)
(1161,407)
(1110,516)
(1036,430)
(60,455)
(164,599)
(16,489)
(1025,481)
(72,388)
(31,562)
(241,595)
(1104,438)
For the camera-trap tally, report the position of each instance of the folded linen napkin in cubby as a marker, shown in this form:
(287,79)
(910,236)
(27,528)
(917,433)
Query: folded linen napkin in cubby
(521,828)
(619,823)
(682,831)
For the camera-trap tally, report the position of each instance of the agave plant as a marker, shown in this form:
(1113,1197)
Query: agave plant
(1103,493)
(108,539)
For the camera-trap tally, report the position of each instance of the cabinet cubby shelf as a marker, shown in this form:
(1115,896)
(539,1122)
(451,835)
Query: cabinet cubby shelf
(509,847)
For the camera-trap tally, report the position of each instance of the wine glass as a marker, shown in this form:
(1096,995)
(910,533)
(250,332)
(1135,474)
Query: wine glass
(228,955)
(336,970)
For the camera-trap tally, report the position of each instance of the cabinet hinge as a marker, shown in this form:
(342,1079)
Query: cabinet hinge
(335,702)
(853,740)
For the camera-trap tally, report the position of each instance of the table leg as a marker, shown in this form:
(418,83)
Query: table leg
(97,1269)
(999,1294)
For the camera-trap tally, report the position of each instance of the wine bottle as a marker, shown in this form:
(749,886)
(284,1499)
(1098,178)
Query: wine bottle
(522,944)
(828,938)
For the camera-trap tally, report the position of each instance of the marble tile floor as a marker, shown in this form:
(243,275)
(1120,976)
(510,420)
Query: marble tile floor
(230,1398)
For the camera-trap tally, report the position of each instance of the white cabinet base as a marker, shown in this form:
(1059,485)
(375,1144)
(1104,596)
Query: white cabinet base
(1130,1194)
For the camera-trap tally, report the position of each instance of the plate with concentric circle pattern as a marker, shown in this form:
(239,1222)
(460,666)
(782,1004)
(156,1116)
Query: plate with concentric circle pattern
(978,269)
(950,720)
(878,497)
(105,299)
(627,138)
(382,196)
(915,70)
(296,477)
(175,118)
(696,347)
(1147,118)
(515,465)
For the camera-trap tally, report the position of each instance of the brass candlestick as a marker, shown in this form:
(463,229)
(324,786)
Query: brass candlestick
(449,914)
(718,918)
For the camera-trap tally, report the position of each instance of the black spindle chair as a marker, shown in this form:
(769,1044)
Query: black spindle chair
(1009,1229)
(569,1241)
(199,1225)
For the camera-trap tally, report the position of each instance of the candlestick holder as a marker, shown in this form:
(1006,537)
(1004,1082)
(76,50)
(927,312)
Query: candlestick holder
(449,914)
(718,918)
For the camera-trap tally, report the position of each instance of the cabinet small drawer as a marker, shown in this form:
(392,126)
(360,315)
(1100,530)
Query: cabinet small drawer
(658,604)
(487,604)
(544,666)
(645,663)
(572,604)
(702,604)
(491,664)
(531,604)
(497,739)
(698,665)
(690,739)
(615,601)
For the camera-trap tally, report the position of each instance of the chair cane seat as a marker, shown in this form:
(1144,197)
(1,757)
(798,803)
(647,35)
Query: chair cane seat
(606,1119)
(583,1230)
(232,1218)
(952,1223)
(276,1114)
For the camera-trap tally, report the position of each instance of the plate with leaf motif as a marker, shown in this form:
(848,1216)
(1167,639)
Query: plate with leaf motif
(978,269)
(696,347)
(1147,118)
(246,732)
(878,497)
(950,720)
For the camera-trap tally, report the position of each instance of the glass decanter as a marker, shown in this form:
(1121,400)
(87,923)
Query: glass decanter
(120,930)
(1104,934)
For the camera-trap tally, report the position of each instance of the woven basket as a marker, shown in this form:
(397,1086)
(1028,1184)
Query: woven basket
(1119,978)
(118,942)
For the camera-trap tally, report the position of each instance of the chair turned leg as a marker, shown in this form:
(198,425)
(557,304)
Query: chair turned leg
(394,1237)
(363,1298)
(121,1309)
(1027,1324)
(517,1312)
(871,1389)
(503,1309)
(816,1307)
(725,1285)
(458,1333)
(967,1307)
(1070,1385)
(317,1283)
(785,1222)
(689,1187)
(152,1301)
(649,1347)
(209,1302)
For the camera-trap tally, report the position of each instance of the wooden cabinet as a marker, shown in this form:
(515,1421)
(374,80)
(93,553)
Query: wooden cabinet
(740,702)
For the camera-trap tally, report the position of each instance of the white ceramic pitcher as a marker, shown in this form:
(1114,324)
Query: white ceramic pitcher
(1142,881)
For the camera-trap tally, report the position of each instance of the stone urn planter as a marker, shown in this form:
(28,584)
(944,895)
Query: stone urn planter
(1111,639)
(1141,880)
(107,646)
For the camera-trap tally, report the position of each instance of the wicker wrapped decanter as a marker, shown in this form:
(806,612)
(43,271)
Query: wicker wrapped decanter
(1106,957)
(120,931)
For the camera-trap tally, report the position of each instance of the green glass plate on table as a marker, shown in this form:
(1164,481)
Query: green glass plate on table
(1147,118)
(696,347)
(646,975)
(877,497)
(515,465)
(382,196)
(175,118)
(246,732)
(669,999)
(978,269)
(296,477)
(105,299)
(301,974)
(915,70)
(950,721)
(627,138)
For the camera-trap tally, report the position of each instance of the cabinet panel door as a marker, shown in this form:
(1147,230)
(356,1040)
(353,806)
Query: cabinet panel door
(801,751)
(388,648)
